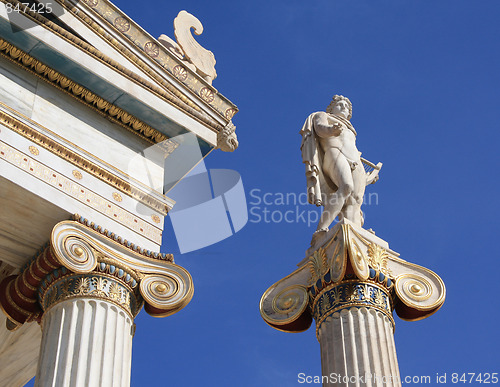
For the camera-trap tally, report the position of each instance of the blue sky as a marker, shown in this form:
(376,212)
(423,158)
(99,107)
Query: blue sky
(424,80)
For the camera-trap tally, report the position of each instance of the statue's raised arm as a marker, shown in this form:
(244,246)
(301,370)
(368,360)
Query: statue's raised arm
(335,172)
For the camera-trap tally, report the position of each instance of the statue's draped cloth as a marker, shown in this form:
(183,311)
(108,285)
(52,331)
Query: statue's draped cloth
(312,157)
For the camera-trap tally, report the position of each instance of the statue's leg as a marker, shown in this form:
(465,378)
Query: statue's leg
(352,209)
(337,168)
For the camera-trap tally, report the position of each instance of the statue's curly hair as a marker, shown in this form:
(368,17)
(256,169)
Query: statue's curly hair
(337,98)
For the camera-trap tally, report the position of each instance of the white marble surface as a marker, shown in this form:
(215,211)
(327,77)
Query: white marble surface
(93,133)
(64,208)
(18,353)
(336,178)
(85,342)
(356,342)
(97,41)
(26,221)
(17,87)
(18,349)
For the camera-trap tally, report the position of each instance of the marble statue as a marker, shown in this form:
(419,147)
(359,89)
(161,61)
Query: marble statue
(335,171)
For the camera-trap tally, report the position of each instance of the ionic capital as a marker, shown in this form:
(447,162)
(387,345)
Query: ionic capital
(83,260)
(351,267)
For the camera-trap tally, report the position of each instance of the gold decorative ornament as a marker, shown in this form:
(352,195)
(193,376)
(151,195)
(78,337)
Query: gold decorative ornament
(122,24)
(413,288)
(348,294)
(161,288)
(377,259)
(180,73)
(337,262)
(317,265)
(152,49)
(93,285)
(358,260)
(285,307)
(230,113)
(34,151)
(207,94)
(416,289)
(77,175)
(156,218)
(75,254)
(91,3)
(117,197)
(166,294)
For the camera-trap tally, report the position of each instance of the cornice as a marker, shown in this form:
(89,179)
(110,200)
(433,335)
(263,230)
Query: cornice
(117,21)
(96,103)
(168,93)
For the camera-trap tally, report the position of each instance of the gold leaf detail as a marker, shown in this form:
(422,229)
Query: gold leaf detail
(351,293)
(379,298)
(34,151)
(82,286)
(117,196)
(377,259)
(317,265)
(114,292)
(365,292)
(100,284)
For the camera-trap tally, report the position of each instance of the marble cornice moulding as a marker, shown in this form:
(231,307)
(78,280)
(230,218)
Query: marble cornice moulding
(96,103)
(167,92)
(85,261)
(102,15)
(348,254)
(29,130)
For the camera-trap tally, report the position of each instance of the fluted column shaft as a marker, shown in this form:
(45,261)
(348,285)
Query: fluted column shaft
(355,329)
(85,342)
(87,327)
(357,349)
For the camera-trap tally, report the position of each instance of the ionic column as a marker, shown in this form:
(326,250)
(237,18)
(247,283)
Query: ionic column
(85,289)
(350,282)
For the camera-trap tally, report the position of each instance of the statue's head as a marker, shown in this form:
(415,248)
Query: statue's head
(339,105)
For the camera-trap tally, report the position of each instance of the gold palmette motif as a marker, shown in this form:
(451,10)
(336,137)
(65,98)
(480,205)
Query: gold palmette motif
(317,265)
(377,259)
(351,294)
(94,285)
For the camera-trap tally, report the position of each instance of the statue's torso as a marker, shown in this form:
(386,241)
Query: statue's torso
(345,141)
